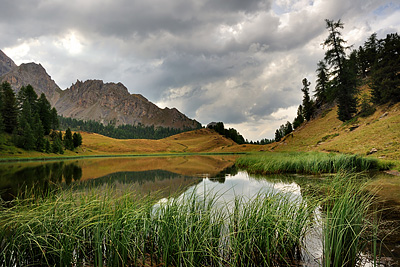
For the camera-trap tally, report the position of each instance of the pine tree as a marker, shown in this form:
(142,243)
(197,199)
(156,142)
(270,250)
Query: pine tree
(24,136)
(335,56)
(288,128)
(9,110)
(308,105)
(322,84)
(2,128)
(77,139)
(385,76)
(282,130)
(44,110)
(362,61)
(278,135)
(28,95)
(68,142)
(38,131)
(371,47)
(299,119)
(47,146)
(54,119)
(57,146)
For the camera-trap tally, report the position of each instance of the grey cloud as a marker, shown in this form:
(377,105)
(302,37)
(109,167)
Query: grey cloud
(237,5)
(229,60)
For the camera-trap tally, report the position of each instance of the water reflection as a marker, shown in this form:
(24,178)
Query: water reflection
(143,174)
(18,180)
(168,175)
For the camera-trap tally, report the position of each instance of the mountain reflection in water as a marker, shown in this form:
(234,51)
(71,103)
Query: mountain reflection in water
(143,174)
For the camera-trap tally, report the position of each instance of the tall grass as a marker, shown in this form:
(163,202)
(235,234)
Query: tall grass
(89,228)
(73,229)
(307,163)
(346,222)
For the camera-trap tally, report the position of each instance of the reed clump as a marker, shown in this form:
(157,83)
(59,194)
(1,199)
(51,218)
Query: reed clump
(347,218)
(79,229)
(114,228)
(308,163)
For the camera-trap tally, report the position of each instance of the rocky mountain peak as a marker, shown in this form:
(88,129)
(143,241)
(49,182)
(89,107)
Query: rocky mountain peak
(93,99)
(105,102)
(35,75)
(6,63)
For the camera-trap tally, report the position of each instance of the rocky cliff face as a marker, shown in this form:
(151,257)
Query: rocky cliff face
(6,63)
(107,102)
(93,99)
(35,75)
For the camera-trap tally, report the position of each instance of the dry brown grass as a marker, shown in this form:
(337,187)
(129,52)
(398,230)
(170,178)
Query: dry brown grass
(202,140)
(198,141)
(380,130)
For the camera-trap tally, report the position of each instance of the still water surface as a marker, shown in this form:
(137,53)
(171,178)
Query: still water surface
(166,176)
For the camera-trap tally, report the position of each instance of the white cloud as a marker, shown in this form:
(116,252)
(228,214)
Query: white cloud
(70,42)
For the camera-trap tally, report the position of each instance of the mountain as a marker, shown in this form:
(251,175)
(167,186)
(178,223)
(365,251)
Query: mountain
(35,75)
(105,102)
(6,63)
(93,99)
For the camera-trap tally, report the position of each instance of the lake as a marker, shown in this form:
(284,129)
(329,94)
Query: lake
(166,176)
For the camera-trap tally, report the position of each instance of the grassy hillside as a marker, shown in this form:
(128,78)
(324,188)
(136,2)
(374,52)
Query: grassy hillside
(198,141)
(380,131)
(202,140)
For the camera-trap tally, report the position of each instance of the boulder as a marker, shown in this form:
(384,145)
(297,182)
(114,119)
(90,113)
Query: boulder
(372,151)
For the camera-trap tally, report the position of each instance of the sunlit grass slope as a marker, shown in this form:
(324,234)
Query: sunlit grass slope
(359,136)
(202,140)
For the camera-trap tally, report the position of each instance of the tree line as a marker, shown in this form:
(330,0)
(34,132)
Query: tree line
(339,75)
(31,121)
(126,131)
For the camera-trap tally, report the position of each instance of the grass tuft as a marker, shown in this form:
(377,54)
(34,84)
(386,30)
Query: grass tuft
(308,163)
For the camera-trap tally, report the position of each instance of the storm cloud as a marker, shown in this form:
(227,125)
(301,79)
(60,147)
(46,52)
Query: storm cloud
(240,62)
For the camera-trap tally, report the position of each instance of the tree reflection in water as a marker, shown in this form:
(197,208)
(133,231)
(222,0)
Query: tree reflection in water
(17,181)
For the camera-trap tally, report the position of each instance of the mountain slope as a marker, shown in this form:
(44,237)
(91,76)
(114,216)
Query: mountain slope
(6,63)
(35,75)
(378,133)
(202,140)
(93,99)
(105,102)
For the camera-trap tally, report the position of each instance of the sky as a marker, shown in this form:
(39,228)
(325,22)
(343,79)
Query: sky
(237,61)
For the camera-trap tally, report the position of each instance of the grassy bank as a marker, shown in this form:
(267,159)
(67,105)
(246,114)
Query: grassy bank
(113,228)
(357,136)
(308,163)
(74,157)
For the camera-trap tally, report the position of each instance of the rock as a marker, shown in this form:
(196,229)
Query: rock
(6,63)
(384,115)
(35,75)
(105,102)
(372,151)
(353,127)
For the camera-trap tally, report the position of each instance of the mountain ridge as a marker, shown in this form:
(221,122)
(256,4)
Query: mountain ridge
(93,99)
(6,63)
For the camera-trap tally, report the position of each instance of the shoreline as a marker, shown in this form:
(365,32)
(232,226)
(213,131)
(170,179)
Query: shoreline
(68,157)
